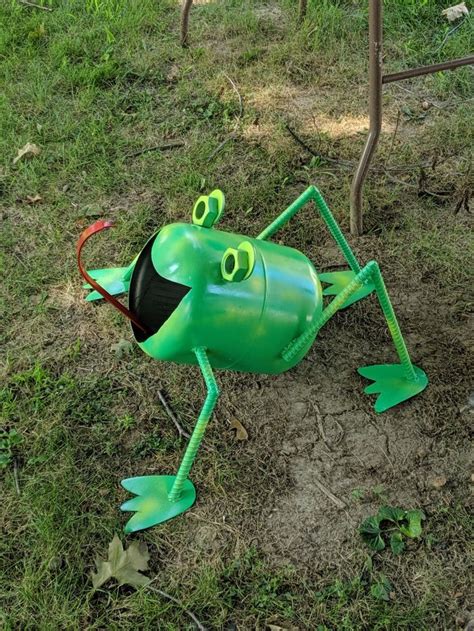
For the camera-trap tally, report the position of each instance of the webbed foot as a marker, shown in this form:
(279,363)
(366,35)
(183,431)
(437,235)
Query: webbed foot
(392,384)
(115,280)
(337,281)
(152,504)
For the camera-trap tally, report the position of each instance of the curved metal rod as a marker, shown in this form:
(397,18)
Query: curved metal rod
(375,113)
(376,80)
(86,234)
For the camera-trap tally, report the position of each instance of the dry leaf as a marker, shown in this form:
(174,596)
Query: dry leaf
(121,348)
(438,483)
(123,565)
(28,151)
(455,12)
(33,199)
(173,73)
(241,433)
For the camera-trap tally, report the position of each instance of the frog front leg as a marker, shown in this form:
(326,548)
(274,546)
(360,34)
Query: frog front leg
(162,497)
(116,280)
(113,280)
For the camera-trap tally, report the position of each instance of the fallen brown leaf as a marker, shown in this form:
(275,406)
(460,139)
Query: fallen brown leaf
(438,483)
(33,199)
(455,12)
(28,151)
(240,433)
(125,566)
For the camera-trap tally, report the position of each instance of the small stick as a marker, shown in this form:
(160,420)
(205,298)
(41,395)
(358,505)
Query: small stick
(232,135)
(167,145)
(341,430)
(220,147)
(319,421)
(399,115)
(314,153)
(35,6)
(15,476)
(339,503)
(303,9)
(175,600)
(186,9)
(349,163)
(241,107)
(172,415)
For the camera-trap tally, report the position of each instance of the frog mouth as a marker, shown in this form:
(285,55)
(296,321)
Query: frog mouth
(152,298)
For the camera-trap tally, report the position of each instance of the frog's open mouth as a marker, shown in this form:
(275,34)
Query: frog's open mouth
(152,298)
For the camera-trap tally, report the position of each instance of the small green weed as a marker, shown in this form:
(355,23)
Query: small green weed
(391,524)
(8,441)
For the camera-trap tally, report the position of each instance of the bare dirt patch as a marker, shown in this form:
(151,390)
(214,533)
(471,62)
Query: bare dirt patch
(312,429)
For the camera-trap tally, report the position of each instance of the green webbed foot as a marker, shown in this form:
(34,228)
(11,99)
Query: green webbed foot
(152,504)
(337,281)
(115,280)
(392,384)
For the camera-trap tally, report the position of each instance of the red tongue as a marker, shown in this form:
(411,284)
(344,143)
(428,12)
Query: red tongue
(88,232)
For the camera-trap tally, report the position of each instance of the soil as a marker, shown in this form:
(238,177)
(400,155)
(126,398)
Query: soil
(314,431)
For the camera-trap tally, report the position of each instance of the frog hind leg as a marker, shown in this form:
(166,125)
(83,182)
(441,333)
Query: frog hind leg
(338,281)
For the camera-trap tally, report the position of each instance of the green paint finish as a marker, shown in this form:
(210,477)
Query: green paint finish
(234,302)
(152,505)
(392,385)
(337,281)
(115,280)
(161,497)
(243,325)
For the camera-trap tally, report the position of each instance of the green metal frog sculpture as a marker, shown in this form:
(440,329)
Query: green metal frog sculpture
(202,296)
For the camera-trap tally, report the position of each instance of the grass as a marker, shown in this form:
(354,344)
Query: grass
(92,83)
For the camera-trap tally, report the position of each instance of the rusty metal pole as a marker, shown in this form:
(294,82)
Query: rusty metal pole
(375,113)
(418,72)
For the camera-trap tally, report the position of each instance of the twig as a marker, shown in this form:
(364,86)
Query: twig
(448,35)
(177,602)
(319,421)
(316,154)
(303,9)
(221,146)
(35,6)
(421,191)
(349,163)
(185,11)
(167,145)
(399,115)
(15,476)
(172,415)
(241,106)
(341,430)
(233,134)
(339,503)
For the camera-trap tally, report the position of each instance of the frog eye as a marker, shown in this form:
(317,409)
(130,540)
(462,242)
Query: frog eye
(237,263)
(208,209)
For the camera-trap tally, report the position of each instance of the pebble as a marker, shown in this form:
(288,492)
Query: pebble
(438,483)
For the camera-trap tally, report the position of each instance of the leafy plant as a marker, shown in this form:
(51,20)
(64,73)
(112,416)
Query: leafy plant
(381,588)
(391,525)
(8,440)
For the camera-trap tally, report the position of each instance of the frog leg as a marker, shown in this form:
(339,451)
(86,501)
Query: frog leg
(393,382)
(115,280)
(337,280)
(162,497)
